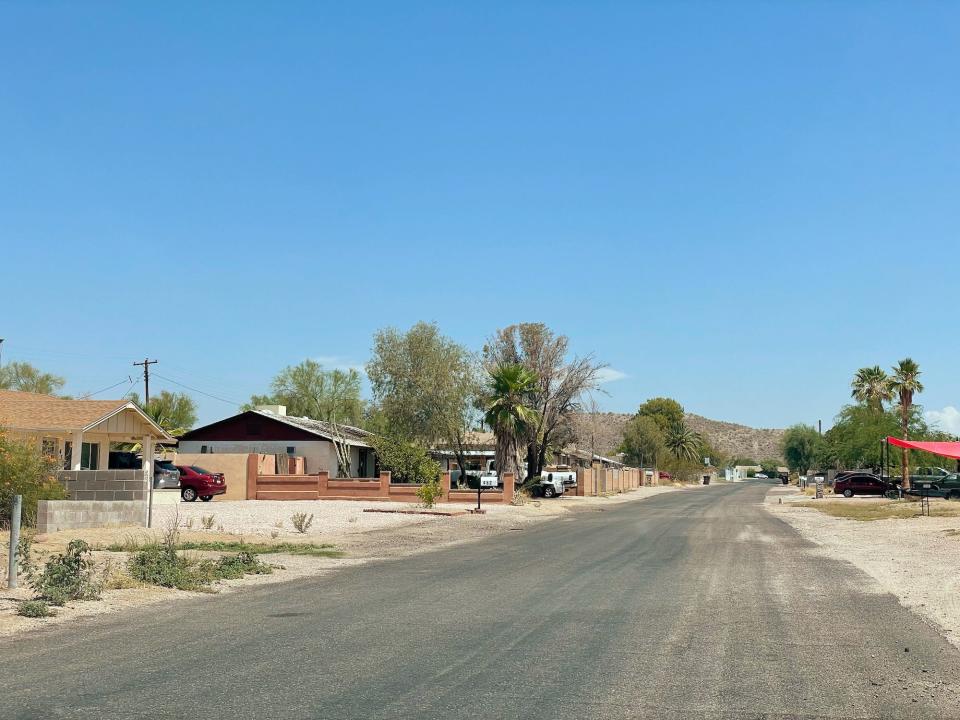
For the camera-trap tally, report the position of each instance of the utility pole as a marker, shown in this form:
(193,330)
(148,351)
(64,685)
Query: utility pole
(147,362)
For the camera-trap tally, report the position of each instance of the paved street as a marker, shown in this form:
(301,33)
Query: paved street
(687,605)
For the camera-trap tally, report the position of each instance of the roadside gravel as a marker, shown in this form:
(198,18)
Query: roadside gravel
(915,559)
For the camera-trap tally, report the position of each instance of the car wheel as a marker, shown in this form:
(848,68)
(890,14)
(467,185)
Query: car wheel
(953,495)
(848,493)
(206,498)
(549,492)
(188,494)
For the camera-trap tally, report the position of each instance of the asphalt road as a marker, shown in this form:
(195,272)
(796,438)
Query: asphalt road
(687,605)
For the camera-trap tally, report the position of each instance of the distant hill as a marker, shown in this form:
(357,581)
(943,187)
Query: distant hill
(606,431)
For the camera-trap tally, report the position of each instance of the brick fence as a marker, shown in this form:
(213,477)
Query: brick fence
(104,484)
(53,515)
(321,486)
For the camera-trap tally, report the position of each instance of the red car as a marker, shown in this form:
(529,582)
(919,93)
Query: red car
(195,482)
(851,484)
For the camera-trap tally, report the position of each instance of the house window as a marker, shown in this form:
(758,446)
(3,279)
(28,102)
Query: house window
(89,456)
(203,449)
(362,470)
(291,450)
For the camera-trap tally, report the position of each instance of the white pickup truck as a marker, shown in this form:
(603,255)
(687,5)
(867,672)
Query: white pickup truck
(566,474)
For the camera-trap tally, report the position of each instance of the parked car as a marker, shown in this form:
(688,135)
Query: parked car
(549,488)
(165,475)
(852,484)
(567,475)
(195,482)
(947,487)
(929,475)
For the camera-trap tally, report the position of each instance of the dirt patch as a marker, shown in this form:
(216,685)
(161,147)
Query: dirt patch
(915,558)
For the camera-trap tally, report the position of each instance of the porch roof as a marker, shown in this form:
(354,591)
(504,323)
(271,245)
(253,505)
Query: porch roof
(35,413)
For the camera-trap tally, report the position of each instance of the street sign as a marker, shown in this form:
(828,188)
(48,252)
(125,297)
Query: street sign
(488,482)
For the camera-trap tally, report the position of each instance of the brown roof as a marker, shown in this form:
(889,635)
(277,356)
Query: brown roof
(30,411)
(20,395)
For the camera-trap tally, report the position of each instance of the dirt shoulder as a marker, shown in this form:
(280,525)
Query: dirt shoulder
(357,537)
(915,558)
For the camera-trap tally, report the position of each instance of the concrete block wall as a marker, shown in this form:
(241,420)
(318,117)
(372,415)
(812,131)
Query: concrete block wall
(104,485)
(54,515)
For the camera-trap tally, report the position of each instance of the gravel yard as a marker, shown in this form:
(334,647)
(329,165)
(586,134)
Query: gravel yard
(916,559)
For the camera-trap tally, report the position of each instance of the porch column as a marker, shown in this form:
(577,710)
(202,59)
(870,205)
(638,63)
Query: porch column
(147,467)
(104,462)
(76,451)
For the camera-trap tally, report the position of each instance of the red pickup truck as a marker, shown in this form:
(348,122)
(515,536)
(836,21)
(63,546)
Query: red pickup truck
(195,482)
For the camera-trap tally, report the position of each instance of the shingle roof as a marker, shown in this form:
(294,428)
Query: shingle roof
(30,411)
(353,435)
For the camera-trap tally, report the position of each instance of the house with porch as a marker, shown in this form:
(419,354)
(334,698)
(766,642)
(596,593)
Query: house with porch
(78,433)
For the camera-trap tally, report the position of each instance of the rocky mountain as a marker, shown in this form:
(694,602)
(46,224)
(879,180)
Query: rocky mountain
(604,431)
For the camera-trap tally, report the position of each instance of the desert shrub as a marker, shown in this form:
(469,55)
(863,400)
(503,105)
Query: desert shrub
(164,566)
(406,462)
(35,609)
(159,565)
(243,563)
(64,577)
(24,470)
(430,492)
(301,523)
(520,497)
(207,521)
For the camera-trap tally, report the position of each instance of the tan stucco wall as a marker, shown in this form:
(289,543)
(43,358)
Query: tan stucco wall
(232,465)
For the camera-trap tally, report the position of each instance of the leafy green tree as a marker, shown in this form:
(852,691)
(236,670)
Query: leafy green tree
(26,471)
(308,390)
(425,386)
(509,412)
(643,441)
(682,442)
(406,462)
(872,387)
(174,412)
(905,384)
(26,378)
(666,412)
(799,447)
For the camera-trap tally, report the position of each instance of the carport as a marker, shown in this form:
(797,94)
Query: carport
(941,448)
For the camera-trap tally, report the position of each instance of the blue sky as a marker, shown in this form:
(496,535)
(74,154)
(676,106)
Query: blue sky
(734,204)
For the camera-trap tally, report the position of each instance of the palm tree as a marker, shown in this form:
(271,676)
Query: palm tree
(905,382)
(871,386)
(508,412)
(683,443)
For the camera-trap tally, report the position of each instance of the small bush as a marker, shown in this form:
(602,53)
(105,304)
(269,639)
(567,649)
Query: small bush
(243,563)
(520,497)
(301,523)
(35,609)
(430,492)
(207,521)
(164,566)
(157,565)
(65,576)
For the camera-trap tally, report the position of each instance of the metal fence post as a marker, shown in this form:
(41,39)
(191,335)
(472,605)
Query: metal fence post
(14,540)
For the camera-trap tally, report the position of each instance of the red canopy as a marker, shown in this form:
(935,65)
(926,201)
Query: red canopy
(947,449)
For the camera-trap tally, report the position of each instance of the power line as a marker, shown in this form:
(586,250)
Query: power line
(89,395)
(193,389)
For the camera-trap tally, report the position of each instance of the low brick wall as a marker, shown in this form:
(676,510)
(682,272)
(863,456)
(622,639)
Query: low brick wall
(104,485)
(54,515)
(322,487)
